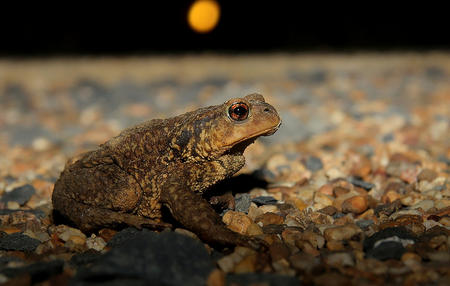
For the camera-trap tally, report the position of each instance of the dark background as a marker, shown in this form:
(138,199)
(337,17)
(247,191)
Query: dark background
(245,26)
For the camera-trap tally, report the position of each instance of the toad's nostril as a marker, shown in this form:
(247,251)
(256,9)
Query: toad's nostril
(266,109)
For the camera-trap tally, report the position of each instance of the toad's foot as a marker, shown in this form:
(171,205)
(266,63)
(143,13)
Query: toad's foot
(194,213)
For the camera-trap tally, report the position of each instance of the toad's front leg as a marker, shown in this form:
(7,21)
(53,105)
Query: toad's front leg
(195,213)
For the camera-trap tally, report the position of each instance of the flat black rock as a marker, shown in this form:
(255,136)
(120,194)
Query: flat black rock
(18,241)
(261,279)
(150,258)
(360,183)
(265,200)
(21,194)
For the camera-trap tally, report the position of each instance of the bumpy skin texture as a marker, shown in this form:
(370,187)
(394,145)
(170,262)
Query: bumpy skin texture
(167,162)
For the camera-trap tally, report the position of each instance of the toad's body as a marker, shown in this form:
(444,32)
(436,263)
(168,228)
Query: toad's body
(165,162)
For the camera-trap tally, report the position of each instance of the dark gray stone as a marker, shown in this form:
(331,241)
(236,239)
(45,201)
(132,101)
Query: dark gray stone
(18,241)
(261,279)
(387,250)
(360,183)
(313,164)
(21,194)
(265,200)
(388,243)
(167,258)
(242,202)
(364,223)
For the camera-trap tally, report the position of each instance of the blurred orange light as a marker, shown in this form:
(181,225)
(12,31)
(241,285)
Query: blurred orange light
(203,15)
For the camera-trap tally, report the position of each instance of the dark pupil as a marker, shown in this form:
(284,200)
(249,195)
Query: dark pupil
(240,111)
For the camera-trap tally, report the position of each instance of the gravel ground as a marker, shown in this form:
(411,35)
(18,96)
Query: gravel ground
(353,189)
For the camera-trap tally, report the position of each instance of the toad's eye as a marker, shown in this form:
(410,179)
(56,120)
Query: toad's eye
(238,111)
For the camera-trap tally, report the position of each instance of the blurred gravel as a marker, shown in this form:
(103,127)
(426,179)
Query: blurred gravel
(355,188)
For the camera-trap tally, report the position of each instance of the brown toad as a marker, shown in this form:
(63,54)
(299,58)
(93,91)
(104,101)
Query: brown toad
(169,162)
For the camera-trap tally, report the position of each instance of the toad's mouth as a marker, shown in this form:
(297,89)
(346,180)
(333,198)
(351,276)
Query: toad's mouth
(238,147)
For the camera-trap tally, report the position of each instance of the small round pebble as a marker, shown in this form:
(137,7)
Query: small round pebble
(356,205)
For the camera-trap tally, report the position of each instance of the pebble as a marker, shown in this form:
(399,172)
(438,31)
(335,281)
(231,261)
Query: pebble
(278,251)
(425,205)
(356,205)
(269,209)
(326,189)
(340,259)
(364,223)
(313,164)
(427,175)
(390,197)
(66,233)
(322,200)
(341,232)
(360,165)
(95,242)
(247,264)
(334,173)
(254,211)
(304,262)
(242,202)
(237,221)
(316,240)
(11,205)
(360,183)
(216,278)
(306,193)
(254,229)
(404,170)
(440,257)
(227,263)
(408,256)
(328,210)
(445,221)
(269,218)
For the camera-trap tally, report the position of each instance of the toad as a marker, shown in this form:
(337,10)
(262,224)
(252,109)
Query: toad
(165,163)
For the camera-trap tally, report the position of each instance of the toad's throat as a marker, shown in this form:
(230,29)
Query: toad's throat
(239,148)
